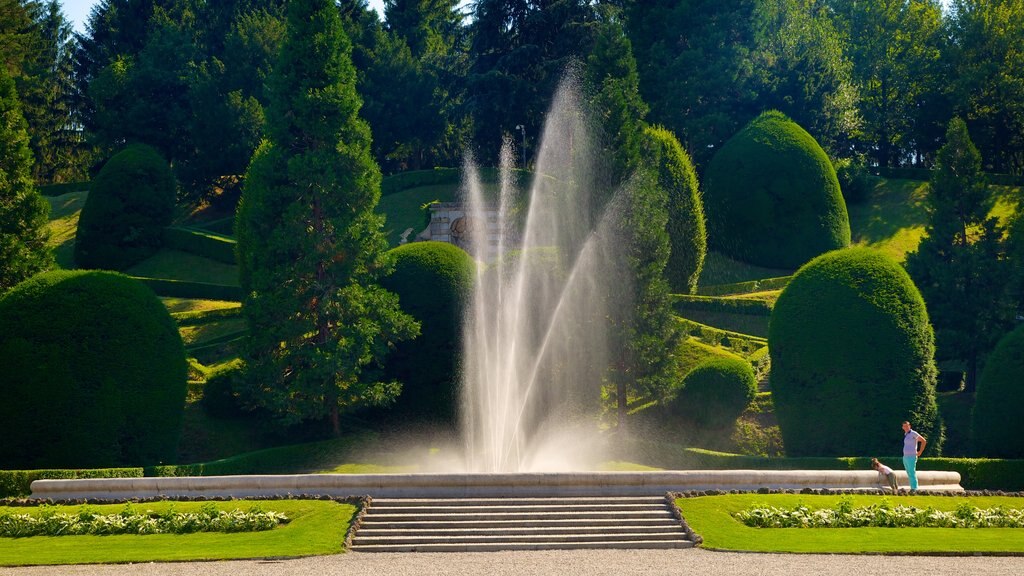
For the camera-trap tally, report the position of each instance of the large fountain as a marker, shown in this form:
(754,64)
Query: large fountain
(536,334)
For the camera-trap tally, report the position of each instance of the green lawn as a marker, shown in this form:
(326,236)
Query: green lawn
(176,265)
(316,527)
(213,331)
(403,209)
(63,225)
(711,517)
(196,305)
(720,269)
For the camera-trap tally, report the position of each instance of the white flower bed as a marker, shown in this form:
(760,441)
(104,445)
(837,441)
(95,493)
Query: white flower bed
(49,522)
(881,515)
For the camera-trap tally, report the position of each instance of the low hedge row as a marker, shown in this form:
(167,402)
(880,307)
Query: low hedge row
(752,307)
(741,344)
(745,287)
(63,188)
(416,178)
(201,243)
(198,290)
(975,473)
(198,317)
(926,174)
(433,177)
(16,483)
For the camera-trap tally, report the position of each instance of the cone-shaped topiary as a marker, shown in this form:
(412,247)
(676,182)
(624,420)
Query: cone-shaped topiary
(715,393)
(130,202)
(852,358)
(432,280)
(686,230)
(772,197)
(94,373)
(996,425)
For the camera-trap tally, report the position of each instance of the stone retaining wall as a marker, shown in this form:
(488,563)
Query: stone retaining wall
(481,485)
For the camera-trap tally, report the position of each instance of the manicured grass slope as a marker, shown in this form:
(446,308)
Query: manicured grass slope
(64,211)
(316,527)
(403,209)
(711,517)
(176,265)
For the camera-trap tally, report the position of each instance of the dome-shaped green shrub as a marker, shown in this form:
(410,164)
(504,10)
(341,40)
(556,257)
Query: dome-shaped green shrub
(93,375)
(686,230)
(715,393)
(772,198)
(852,358)
(432,279)
(996,425)
(130,202)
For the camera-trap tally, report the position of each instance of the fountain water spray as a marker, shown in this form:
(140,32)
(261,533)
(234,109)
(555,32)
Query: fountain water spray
(536,336)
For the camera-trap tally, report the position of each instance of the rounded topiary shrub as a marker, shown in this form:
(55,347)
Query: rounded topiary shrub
(772,198)
(715,393)
(130,202)
(686,230)
(852,358)
(996,425)
(432,280)
(94,373)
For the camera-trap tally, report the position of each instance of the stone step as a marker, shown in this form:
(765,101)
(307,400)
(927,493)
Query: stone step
(523,530)
(369,522)
(498,546)
(512,515)
(585,501)
(518,508)
(616,536)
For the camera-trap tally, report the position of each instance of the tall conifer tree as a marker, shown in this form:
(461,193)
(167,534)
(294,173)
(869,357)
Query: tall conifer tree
(23,249)
(310,246)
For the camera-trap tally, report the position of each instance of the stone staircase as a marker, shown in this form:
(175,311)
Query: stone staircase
(486,524)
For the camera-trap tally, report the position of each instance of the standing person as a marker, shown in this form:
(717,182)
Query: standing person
(913,445)
(887,472)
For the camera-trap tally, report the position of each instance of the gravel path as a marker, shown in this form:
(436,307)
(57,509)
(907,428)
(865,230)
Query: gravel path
(562,563)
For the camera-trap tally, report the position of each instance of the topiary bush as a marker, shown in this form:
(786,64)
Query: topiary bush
(715,393)
(431,279)
(220,392)
(686,228)
(772,198)
(130,202)
(996,426)
(94,373)
(852,357)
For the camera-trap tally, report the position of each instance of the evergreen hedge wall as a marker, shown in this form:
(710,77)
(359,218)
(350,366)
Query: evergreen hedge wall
(772,197)
(996,424)
(852,357)
(94,373)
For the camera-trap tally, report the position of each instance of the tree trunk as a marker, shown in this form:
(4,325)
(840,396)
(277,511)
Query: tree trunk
(971,377)
(620,397)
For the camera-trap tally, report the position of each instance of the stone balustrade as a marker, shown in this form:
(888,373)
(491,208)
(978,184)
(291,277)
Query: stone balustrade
(481,485)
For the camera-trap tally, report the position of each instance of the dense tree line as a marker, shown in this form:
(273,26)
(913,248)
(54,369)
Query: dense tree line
(877,80)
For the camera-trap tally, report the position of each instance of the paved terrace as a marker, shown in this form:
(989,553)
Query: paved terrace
(481,485)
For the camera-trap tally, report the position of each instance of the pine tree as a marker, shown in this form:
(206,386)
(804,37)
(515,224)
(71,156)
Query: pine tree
(959,267)
(645,363)
(23,213)
(310,246)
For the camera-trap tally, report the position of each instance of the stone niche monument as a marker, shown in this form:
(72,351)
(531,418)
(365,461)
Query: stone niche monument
(452,222)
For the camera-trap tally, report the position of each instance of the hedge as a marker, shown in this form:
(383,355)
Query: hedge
(201,243)
(975,473)
(63,188)
(198,317)
(197,290)
(996,426)
(130,202)
(683,302)
(18,483)
(416,178)
(772,197)
(925,174)
(714,394)
(94,373)
(852,356)
(762,285)
(741,344)
(686,228)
